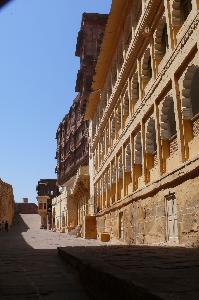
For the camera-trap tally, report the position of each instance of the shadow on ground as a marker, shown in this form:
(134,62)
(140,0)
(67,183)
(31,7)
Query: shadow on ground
(28,270)
(28,273)
(137,272)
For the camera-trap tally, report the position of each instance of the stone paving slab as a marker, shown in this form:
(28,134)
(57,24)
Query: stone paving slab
(30,268)
(137,272)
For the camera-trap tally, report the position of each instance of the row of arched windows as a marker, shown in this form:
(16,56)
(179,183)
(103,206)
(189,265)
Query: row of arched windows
(167,119)
(180,11)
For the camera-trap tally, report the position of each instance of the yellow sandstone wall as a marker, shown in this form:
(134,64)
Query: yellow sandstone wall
(145,220)
(6,202)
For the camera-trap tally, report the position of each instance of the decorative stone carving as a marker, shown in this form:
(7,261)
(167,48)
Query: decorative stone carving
(75,136)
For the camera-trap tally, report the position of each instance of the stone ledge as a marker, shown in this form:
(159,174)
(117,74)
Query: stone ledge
(102,282)
(179,174)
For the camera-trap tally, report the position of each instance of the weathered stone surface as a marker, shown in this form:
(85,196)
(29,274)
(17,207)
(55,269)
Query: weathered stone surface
(6,202)
(26,208)
(137,272)
(150,108)
(72,133)
(30,267)
(105,237)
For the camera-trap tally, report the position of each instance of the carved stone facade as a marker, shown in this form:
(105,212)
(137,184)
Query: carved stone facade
(143,117)
(72,133)
(72,155)
(47,189)
(6,203)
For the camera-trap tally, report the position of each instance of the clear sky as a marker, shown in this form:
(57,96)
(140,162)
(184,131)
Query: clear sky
(37,80)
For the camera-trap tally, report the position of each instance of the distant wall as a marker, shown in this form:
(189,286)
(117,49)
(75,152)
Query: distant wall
(6,202)
(26,208)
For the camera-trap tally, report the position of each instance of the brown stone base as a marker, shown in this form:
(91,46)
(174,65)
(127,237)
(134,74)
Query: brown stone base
(90,229)
(145,217)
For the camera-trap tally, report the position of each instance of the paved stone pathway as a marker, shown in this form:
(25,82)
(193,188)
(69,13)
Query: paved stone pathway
(137,272)
(30,267)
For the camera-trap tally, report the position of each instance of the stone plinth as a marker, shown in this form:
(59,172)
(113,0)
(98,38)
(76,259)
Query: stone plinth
(90,229)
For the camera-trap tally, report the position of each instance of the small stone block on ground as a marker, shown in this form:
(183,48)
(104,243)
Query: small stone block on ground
(105,237)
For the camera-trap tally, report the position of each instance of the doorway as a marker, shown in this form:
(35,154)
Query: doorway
(121,225)
(171,216)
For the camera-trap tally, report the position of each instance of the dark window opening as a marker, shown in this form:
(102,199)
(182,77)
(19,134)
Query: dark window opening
(149,68)
(195,92)
(186,7)
(165,41)
(172,121)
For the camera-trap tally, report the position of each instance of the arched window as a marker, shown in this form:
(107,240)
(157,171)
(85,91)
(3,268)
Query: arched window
(128,158)
(119,117)
(104,180)
(167,119)
(150,146)
(146,66)
(63,220)
(138,149)
(113,173)
(113,127)
(161,39)
(190,92)
(107,137)
(120,167)
(186,7)
(126,109)
(181,10)
(194,92)
(165,41)
(108,179)
(135,87)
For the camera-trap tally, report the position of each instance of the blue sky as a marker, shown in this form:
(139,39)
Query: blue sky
(37,79)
